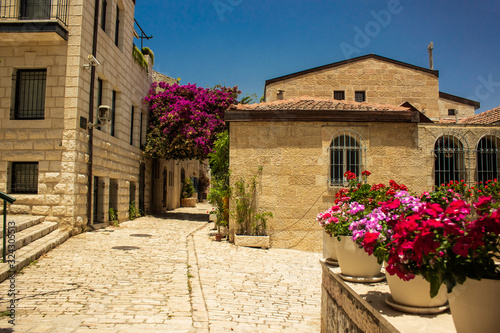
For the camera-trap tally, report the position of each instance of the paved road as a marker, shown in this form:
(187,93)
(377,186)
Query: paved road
(177,280)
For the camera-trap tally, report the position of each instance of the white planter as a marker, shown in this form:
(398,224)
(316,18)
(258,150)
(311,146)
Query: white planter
(475,306)
(416,293)
(355,263)
(252,241)
(329,251)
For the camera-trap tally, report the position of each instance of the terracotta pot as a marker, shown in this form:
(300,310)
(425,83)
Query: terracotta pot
(354,261)
(474,306)
(218,237)
(329,251)
(416,292)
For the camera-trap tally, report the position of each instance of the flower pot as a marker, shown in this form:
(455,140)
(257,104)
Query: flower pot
(414,296)
(329,252)
(218,237)
(474,306)
(355,264)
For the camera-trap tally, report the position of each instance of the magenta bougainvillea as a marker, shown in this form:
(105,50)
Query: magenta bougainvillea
(185,119)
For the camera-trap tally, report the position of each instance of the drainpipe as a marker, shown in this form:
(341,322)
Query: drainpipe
(91,116)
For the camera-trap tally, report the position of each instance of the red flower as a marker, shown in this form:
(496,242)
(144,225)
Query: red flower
(366,173)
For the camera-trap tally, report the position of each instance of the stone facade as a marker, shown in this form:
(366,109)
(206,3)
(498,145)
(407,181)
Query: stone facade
(59,141)
(295,160)
(384,81)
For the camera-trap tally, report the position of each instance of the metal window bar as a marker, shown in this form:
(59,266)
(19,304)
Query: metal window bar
(30,94)
(347,153)
(34,10)
(450,159)
(359,96)
(24,177)
(339,95)
(487,158)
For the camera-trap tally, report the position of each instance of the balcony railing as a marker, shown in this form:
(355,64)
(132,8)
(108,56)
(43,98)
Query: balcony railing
(34,10)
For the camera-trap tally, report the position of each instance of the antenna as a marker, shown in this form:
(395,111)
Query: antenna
(431,58)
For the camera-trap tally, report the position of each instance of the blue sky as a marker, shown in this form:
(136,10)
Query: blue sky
(246,42)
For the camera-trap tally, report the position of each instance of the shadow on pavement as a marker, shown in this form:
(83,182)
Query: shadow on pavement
(182,216)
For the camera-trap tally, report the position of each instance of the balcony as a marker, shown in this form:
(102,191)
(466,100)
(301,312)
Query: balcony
(33,20)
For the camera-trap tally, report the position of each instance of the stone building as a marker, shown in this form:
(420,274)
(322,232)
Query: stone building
(61,64)
(303,145)
(374,79)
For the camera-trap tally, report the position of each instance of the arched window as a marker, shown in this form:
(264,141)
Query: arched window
(487,158)
(346,154)
(449,165)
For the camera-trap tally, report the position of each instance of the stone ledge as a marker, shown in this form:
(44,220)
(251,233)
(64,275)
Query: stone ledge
(358,307)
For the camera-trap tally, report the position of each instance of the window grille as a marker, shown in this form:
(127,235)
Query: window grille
(450,153)
(359,96)
(347,153)
(487,158)
(29,94)
(339,95)
(24,178)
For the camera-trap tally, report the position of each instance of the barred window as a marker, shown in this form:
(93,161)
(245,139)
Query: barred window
(346,154)
(35,9)
(24,178)
(487,158)
(449,153)
(360,96)
(29,94)
(339,95)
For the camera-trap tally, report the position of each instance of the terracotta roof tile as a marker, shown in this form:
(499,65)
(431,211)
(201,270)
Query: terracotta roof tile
(314,103)
(487,117)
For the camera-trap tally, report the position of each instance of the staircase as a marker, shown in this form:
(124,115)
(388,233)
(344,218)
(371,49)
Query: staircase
(34,237)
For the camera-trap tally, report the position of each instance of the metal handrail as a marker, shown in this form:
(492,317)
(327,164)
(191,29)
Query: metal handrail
(24,10)
(6,199)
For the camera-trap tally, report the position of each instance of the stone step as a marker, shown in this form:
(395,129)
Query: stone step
(22,222)
(33,251)
(33,233)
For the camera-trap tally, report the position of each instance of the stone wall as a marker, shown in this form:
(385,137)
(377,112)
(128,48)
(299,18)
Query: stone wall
(464,110)
(343,310)
(294,156)
(57,142)
(383,82)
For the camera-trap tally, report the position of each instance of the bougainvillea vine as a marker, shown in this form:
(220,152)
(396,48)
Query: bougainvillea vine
(185,119)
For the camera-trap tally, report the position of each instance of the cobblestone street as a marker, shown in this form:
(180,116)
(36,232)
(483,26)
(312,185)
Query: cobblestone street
(175,280)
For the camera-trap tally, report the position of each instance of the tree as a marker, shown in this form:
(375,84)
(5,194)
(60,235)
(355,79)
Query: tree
(185,119)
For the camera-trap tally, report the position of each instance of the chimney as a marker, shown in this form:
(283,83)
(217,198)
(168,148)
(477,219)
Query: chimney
(431,58)
(280,95)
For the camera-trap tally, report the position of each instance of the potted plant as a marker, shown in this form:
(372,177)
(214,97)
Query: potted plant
(187,199)
(444,240)
(353,204)
(220,191)
(251,224)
